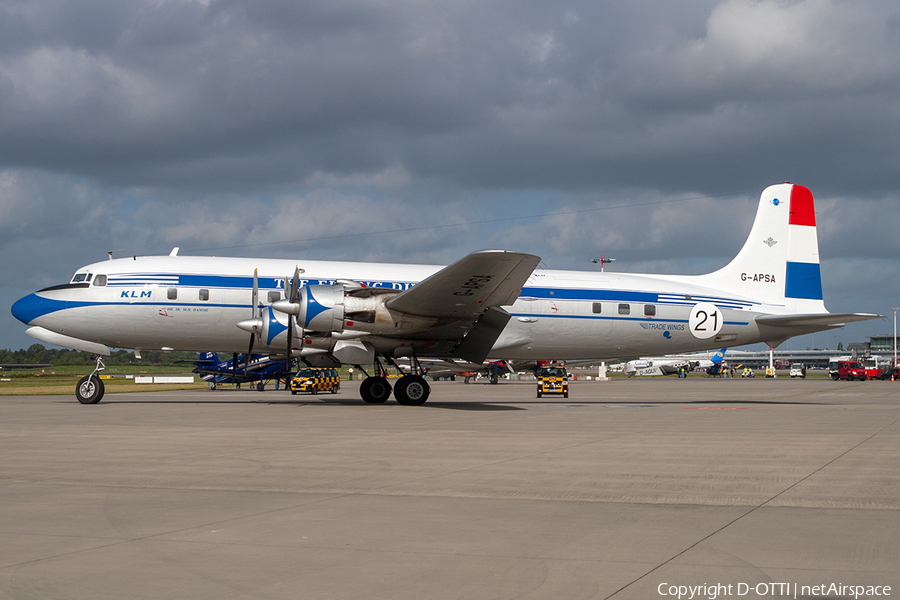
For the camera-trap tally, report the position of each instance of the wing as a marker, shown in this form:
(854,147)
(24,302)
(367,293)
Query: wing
(470,293)
(468,287)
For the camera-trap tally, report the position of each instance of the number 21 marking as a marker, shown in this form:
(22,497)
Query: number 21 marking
(705,320)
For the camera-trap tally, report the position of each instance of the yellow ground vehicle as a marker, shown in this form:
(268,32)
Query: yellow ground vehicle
(315,381)
(552,380)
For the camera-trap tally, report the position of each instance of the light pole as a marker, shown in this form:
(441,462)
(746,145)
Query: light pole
(895,336)
(602,261)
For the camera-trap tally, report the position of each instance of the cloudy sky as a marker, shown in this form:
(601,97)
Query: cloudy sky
(418,131)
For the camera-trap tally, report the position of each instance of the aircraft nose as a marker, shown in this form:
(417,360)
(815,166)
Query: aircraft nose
(32,306)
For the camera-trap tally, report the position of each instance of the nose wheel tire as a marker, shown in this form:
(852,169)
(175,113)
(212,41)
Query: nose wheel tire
(89,389)
(375,390)
(411,390)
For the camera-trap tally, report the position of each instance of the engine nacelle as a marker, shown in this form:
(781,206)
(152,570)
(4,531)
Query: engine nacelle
(321,308)
(349,310)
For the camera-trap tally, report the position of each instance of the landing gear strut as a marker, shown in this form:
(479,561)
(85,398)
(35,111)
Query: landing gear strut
(90,388)
(410,390)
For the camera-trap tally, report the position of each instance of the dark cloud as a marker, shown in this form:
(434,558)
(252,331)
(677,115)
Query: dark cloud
(149,124)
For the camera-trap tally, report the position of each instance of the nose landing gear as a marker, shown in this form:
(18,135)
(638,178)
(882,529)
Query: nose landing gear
(90,388)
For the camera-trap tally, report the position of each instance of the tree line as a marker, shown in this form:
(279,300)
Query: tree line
(38,354)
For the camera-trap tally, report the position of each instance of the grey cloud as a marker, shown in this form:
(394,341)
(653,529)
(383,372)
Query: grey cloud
(149,124)
(493,94)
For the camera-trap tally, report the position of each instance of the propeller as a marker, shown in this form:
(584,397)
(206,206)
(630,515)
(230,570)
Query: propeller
(254,323)
(256,315)
(292,292)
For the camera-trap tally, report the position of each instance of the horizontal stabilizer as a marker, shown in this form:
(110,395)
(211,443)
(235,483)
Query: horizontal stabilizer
(820,320)
(58,339)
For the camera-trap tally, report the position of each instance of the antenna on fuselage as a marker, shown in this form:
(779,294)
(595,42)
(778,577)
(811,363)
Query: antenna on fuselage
(109,253)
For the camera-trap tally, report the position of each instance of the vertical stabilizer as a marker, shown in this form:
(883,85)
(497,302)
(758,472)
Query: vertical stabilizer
(779,263)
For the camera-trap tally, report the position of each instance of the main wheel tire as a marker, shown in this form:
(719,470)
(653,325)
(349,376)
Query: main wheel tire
(411,390)
(375,390)
(89,389)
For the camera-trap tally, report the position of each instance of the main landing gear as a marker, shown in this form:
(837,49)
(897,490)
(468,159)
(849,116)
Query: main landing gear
(410,390)
(90,388)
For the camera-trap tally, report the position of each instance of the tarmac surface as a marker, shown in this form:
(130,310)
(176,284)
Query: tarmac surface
(627,489)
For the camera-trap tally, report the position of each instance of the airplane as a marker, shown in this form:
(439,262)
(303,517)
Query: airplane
(259,370)
(491,304)
(669,365)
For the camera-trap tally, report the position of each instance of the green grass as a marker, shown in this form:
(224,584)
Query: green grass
(62,380)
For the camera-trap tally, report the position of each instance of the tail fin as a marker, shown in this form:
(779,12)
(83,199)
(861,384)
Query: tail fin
(779,263)
(719,356)
(211,357)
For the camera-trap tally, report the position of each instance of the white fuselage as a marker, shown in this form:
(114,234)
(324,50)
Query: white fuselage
(194,303)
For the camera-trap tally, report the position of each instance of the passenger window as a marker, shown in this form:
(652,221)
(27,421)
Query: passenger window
(100,280)
(650,310)
(274,297)
(204,295)
(172,294)
(597,308)
(624,309)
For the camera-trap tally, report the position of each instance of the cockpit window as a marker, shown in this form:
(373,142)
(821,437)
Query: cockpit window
(100,280)
(79,277)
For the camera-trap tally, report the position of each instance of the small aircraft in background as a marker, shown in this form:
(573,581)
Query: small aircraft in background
(670,365)
(259,370)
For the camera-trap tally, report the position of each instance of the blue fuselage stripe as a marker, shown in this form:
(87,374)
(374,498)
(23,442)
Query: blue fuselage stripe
(542,293)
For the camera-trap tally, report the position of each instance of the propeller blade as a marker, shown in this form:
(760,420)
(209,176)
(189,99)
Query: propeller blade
(255,297)
(249,352)
(292,295)
(295,285)
(290,357)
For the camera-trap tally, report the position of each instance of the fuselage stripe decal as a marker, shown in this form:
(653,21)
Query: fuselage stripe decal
(538,293)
